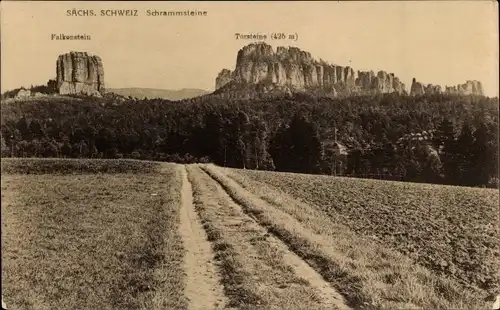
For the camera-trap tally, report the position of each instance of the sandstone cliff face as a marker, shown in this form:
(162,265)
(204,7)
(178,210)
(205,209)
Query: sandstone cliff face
(469,88)
(261,69)
(291,69)
(418,88)
(383,82)
(80,73)
(224,77)
(432,89)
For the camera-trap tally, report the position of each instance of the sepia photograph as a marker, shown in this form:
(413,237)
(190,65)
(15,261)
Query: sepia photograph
(209,155)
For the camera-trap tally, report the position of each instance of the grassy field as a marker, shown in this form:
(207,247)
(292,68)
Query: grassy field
(92,236)
(451,231)
(126,234)
(76,166)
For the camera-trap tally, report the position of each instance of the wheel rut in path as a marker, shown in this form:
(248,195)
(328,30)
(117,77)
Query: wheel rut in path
(331,299)
(203,288)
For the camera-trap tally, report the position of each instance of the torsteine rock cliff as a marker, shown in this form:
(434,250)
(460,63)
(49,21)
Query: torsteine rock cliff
(291,69)
(80,73)
(469,88)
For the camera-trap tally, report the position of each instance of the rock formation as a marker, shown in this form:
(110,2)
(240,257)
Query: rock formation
(418,88)
(381,83)
(80,73)
(469,88)
(259,69)
(433,89)
(224,77)
(291,70)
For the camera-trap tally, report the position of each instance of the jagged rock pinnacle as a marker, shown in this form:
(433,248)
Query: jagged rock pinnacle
(80,73)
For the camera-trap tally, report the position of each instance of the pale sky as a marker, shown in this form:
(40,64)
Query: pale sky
(443,43)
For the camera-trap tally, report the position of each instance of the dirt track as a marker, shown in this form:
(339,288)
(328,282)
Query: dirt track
(254,267)
(203,289)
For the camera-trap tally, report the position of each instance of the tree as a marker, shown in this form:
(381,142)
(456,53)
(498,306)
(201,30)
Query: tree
(50,148)
(280,148)
(106,140)
(23,127)
(242,136)
(22,148)
(431,165)
(5,150)
(66,150)
(354,161)
(259,157)
(304,145)
(389,156)
(483,159)
(464,159)
(35,148)
(449,150)
(444,133)
(36,129)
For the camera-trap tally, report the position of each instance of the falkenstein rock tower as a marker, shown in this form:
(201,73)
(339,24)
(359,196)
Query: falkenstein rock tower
(80,73)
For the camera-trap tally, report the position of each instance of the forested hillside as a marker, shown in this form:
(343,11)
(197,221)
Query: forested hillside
(142,93)
(286,134)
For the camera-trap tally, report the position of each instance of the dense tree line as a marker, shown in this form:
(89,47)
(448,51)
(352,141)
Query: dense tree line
(284,134)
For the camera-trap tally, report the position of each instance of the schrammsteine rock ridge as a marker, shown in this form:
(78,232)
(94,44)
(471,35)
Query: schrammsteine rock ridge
(80,73)
(291,69)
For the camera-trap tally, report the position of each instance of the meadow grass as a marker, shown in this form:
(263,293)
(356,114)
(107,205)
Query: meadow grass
(76,166)
(369,274)
(91,241)
(451,230)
